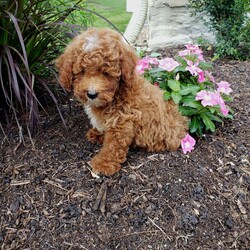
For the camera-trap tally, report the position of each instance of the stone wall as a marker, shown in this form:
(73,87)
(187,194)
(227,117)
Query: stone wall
(170,24)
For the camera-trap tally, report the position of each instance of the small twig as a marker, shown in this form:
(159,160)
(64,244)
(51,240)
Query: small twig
(11,229)
(221,223)
(153,157)
(103,201)
(245,170)
(5,136)
(81,246)
(55,184)
(235,242)
(185,237)
(31,140)
(101,197)
(159,228)
(19,183)
(137,167)
(89,167)
(74,245)
(240,206)
(21,138)
(135,233)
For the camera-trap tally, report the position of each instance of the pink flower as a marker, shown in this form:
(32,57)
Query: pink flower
(224,87)
(145,63)
(192,68)
(201,77)
(187,143)
(200,57)
(156,84)
(184,53)
(142,65)
(207,98)
(223,108)
(152,60)
(209,76)
(192,49)
(212,98)
(168,64)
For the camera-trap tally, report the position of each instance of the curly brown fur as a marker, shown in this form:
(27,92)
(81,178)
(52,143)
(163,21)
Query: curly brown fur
(124,109)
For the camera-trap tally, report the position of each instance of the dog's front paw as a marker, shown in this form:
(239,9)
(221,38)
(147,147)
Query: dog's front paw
(101,166)
(94,136)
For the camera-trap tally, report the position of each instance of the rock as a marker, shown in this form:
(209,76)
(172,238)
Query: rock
(170,24)
(229,222)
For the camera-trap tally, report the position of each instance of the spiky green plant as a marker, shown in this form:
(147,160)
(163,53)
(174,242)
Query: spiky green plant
(31,36)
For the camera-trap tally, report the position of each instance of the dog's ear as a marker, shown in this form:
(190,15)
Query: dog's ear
(128,61)
(64,64)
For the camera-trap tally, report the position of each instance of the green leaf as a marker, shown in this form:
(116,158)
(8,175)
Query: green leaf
(205,65)
(167,95)
(187,111)
(227,98)
(195,89)
(199,130)
(174,85)
(229,117)
(214,109)
(176,97)
(163,85)
(208,122)
(194,125)
(185,91)
(215,118)
(231,110)
(180,69)
(188,98)
(189,89)
(194,104)
(155,54)
(216,57)
(156,70)
(181,60)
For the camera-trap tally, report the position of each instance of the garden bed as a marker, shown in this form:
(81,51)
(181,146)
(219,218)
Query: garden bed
(168,200)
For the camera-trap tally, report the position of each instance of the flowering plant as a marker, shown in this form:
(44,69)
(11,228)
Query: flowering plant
(188,80)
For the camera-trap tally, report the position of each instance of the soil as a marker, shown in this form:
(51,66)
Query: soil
(168,200)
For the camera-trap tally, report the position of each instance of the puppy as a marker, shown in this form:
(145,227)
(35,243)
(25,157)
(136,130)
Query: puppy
(124,109)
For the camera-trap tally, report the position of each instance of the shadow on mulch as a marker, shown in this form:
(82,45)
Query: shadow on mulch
(49,199)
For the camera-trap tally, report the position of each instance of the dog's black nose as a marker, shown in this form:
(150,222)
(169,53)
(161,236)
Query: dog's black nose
(92,95)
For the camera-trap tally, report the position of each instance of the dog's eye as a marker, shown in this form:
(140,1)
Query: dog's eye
(80,74)
(105,74)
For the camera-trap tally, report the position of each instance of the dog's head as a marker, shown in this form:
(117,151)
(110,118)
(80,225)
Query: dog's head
(95,65)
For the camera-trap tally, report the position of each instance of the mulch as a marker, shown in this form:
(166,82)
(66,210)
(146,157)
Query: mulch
(168,200)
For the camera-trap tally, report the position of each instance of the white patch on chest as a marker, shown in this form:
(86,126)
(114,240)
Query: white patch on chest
(93,119)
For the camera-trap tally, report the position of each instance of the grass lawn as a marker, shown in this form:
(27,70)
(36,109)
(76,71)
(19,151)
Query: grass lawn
(113,10)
